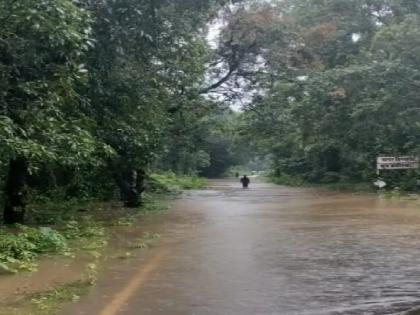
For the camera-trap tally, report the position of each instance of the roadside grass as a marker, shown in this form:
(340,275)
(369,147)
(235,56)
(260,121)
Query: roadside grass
(49,302)
(66,227)
(169,182)
(286,180)
(154,202)
(348,187)
(341,186)
(22,246)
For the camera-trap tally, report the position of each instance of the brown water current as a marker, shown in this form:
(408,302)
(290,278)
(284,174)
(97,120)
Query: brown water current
(269,250)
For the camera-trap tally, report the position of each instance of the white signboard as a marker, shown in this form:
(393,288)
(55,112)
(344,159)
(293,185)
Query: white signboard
(397,163)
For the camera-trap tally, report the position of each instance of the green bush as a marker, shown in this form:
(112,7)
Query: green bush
(19,247)
(86,227)
(153,203)
(333,182)
(287,180)
(45,239)
(330,178)
(53,208)
(169,182)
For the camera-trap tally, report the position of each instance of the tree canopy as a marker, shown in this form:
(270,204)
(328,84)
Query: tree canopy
(96,94)
(339,87)
(101,87)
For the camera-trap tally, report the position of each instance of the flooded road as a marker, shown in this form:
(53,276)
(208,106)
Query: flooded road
(269,250)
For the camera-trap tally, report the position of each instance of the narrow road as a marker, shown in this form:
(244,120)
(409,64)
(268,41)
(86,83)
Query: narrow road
(269,250)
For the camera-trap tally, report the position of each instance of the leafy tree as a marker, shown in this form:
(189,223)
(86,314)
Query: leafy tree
(42,44)
(341,91)
(144,67)
(98,90)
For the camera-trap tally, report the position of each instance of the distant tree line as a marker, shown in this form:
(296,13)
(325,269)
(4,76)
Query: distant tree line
(335,83)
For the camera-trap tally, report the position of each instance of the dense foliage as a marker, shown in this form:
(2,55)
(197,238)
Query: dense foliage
(17,251)
(96,94)
(337,86)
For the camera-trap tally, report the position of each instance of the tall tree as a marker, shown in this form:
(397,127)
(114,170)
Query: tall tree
(41,48)
(145,71)
(341,91)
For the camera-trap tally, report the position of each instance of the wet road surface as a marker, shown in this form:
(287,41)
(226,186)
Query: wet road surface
(269,250)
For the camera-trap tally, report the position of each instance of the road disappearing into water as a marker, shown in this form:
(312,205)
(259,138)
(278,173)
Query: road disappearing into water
(269,250)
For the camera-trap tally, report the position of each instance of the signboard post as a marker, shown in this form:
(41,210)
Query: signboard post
(397,163)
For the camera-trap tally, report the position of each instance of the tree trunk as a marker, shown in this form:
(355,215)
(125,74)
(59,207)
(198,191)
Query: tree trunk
(131,187)
(140,181)
(15,192)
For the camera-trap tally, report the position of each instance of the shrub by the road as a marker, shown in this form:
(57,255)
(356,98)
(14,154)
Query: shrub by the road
(170,182)
(21,246)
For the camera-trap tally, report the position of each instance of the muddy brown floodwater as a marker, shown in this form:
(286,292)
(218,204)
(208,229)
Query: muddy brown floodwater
(269,250)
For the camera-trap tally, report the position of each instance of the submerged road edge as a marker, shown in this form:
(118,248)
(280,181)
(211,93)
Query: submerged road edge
(136,282)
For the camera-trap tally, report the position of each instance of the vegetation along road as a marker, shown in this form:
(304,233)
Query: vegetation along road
(270,250)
